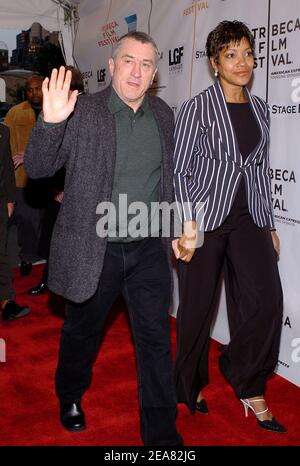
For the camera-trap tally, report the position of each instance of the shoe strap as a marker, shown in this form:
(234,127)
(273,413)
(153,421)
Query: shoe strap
(254,401)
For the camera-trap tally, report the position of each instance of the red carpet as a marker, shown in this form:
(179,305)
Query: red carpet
(29,409)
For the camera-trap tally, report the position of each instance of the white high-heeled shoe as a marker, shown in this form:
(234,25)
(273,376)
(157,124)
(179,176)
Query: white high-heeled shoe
(247,404)
(272,424)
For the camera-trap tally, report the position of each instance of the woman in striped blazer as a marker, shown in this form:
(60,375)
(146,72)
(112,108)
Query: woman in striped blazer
(222,182)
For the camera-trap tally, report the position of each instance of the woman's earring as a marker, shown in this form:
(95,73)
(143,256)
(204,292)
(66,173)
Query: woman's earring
(216,73)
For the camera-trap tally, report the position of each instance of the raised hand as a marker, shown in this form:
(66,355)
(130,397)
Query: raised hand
(58,101)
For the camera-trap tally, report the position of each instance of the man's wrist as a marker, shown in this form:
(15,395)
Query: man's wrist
(48,124)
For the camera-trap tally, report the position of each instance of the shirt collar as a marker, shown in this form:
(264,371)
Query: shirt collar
(115,104)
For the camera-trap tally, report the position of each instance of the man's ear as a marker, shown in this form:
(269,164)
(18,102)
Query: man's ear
(153,76)
(111,66)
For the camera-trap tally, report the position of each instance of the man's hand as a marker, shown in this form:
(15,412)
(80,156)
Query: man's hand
(58,102)
(18,159)
(176,248)
(10,208)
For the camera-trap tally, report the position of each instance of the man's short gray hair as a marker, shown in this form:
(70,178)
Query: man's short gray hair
(139,36)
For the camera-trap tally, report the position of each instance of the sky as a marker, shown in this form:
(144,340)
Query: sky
(9,37)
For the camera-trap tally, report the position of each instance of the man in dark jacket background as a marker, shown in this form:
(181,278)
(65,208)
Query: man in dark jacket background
(10,309)
(118,142)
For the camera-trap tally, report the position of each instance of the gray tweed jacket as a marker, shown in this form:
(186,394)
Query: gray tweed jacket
(86,146)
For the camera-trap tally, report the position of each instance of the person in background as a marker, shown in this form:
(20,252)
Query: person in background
(118,141)
(55,187)
(20,120)
(222,161)
(10,308)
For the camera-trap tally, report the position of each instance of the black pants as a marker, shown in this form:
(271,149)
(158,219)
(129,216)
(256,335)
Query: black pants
(254,286)
(6,288)
(140,270)
(27,217)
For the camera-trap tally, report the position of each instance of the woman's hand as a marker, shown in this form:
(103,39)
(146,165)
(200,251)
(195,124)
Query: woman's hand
(187,244)
(276,242)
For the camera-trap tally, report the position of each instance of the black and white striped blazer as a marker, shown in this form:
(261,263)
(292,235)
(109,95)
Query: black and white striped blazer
(209,165)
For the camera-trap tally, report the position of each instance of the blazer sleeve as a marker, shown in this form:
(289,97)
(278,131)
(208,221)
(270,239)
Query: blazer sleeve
(186,134)
(264,172)
(50,145)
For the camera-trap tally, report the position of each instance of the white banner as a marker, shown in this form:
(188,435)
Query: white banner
(180,29)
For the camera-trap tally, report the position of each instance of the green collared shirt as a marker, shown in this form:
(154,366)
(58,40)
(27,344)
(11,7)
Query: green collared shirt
(137,169)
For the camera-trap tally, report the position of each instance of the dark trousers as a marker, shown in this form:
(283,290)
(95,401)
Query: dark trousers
(49,218)
(6,289)
(140,270)
(27,217)
(255,294)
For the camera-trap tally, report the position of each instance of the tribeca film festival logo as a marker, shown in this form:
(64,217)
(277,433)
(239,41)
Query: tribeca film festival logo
(280,177)
(279,51)
(133,220)
(260,37)
(86,76)
(176,60)
(196,4)
(2,350)
(109,34)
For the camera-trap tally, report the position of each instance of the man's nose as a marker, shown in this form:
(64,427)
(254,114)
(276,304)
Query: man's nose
(136,71)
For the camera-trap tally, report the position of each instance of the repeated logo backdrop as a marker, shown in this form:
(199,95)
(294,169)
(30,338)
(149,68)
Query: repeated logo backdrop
(180,29)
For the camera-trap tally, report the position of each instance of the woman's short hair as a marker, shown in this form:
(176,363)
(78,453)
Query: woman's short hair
(227,32)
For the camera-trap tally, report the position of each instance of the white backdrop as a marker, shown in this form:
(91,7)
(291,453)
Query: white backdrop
(180,29)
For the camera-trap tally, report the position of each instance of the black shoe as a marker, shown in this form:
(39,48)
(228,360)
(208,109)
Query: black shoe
(25,268)
(272,425)
(201,406)
(39,289)
(12,310)
(72,416)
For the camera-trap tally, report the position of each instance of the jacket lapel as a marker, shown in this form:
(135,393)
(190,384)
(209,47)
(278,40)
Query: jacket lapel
(105,124)
(225,130)
(263,130)
(223,125)
(164,130)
